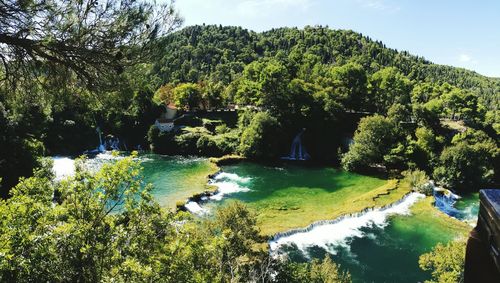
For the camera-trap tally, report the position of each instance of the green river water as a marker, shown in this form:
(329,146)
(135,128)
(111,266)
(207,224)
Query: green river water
(175,178)
(376,251)
(382,250)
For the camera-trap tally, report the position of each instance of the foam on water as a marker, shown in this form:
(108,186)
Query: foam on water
(63,167)
(228,183)
(195,208)
(334,233)
(108,155)
(232,177)
(224,188)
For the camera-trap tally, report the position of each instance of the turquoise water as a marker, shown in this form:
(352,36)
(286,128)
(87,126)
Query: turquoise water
(287,193)
(380,251)
(288,196)
(468,205)
(176,178)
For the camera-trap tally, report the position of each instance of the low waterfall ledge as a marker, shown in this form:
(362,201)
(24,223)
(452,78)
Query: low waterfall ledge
(423,216)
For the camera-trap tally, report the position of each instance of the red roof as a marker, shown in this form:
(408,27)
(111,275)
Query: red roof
(171,106)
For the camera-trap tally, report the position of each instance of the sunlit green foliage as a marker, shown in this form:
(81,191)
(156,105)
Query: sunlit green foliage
(261,138)
(419,181)
(469,162)
(315,78)
(372,141)
(446,262)
(105,226)
(316,271)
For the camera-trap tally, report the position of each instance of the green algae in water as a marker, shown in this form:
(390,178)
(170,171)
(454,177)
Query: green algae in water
(290,196)
(175,178)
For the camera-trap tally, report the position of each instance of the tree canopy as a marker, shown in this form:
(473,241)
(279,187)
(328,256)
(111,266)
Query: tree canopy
(92,39)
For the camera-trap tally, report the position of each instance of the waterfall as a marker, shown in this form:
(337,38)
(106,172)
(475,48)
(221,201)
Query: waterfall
(297,150)
(337,232)
(445,201)
(226,183)
(108,143)
(101,147)
(63,167)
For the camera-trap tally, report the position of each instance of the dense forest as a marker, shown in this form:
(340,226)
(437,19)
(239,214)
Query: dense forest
(315,78)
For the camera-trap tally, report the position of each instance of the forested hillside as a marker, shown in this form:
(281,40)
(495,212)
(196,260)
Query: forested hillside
(420,116)
(76,209)
(220,53)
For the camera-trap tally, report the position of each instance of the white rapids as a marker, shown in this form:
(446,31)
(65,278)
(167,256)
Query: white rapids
(63,167)
(228,183)
(329,234)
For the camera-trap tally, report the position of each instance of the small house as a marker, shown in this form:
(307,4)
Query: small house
(166,121)
(164,125)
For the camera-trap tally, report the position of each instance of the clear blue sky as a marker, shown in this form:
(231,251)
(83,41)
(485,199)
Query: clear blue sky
(463,33)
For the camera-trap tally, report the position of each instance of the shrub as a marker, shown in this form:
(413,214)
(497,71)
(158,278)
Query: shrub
(419,181)
(446,262)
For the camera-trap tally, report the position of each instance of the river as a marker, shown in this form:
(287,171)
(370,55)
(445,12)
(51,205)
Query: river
(383,247)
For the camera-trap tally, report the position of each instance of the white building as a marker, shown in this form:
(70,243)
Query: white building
(166,121)
(164,125)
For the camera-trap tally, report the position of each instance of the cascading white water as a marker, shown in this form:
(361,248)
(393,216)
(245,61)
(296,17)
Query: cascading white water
(63,167)
(329,234)
(228,183)
(110,142)
(195,208)
(445,201)
(297,150)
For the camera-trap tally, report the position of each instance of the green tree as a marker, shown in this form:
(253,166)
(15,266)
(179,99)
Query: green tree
(418,181)
(349,85)
(446,262)
(372,140)
(469,163)
(325,271)
(264,84)
(240,251)
(187,95)
(83,237)
(105,226)
(164,94)
(261,139)
(427,147)
(20,155)
(388,86)
(90,39)
(302,98)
